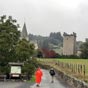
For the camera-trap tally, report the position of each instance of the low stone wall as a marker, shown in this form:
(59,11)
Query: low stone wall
(66,79)
(71,81)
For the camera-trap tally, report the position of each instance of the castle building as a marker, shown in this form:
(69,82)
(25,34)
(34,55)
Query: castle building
(69,44)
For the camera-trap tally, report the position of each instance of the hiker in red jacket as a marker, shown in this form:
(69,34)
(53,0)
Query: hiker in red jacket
(38,76)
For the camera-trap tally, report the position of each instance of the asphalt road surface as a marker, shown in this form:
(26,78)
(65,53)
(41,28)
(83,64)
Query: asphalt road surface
(46,83)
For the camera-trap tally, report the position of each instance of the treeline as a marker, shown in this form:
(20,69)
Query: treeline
(54,39)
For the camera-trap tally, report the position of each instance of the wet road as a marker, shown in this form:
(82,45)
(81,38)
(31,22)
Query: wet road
(14,85)
(46,83)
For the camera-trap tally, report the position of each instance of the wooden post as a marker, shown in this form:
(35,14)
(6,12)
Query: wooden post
(76,68)
(84,71)
(81,68)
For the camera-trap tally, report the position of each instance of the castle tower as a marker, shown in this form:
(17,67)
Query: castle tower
(69,44)
(24,34)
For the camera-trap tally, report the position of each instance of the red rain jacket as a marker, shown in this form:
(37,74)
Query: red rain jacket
(38,75)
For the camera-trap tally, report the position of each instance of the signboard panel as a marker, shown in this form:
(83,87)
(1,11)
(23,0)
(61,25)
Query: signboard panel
(16,69)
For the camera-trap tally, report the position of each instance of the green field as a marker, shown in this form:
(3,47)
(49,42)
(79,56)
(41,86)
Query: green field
(74,62)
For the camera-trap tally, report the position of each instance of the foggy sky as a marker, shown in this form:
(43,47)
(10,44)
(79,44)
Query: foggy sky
(45,16)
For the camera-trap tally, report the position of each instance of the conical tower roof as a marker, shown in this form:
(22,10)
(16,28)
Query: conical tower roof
(24,32)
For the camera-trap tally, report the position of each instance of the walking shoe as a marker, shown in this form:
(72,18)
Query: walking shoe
(51,81)
(37,85)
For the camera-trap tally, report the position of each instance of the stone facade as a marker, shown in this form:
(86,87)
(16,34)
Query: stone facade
(69,44)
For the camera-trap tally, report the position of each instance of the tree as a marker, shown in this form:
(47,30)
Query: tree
(84,50)
(29,67)
(39,53)
(54,39)
(9,36)
(24,50)
(45,44)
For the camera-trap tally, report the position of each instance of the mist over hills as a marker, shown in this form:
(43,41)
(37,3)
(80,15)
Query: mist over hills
(49,42)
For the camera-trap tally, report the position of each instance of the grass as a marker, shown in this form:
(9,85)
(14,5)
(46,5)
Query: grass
(32,80)
(76,61)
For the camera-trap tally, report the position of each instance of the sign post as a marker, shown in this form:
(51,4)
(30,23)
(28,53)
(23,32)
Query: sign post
(15,69)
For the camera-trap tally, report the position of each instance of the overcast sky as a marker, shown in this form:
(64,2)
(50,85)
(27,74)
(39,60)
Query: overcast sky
(45,16)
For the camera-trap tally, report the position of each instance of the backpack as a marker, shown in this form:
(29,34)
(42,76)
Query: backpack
(52,72)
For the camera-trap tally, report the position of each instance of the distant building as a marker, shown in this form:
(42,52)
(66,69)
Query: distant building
(78,52)
(35,44)
(24,34)
(69,44)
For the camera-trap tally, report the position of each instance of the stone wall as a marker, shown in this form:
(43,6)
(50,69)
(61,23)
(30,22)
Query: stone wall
(71,81)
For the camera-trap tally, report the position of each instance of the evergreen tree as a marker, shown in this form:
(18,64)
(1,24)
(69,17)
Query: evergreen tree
(9,36)
(84,50)
(24,50)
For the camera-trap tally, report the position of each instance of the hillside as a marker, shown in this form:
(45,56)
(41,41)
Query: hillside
(54,40)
